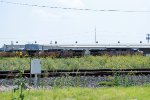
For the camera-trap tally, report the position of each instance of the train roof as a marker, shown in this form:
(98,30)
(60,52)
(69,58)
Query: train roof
(74,46)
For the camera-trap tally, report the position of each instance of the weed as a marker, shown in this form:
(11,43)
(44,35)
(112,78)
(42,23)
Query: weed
(20,87)
(86,62)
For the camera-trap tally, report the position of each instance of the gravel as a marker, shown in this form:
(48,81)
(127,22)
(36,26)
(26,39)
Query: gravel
(79,81)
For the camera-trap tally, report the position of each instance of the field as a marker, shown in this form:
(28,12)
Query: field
(87,62)
(105,93)
(78,93)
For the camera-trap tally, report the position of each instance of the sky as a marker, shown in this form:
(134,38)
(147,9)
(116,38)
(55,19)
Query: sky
(27,24)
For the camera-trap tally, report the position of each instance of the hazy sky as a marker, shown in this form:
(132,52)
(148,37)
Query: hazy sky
(28,24)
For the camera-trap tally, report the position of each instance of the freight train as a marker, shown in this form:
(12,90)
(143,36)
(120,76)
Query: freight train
(55,51)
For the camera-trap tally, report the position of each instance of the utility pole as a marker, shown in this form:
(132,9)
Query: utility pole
(95,35)
(148,37)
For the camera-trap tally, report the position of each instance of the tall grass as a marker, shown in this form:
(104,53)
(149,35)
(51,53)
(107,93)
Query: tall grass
(105,93)
(86,62)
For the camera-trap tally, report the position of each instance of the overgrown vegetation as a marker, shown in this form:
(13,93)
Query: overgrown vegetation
(63,89)
(18,91)
(118,80)
(86,62)
(105,93)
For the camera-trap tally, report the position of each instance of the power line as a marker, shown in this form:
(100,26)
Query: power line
(64,8)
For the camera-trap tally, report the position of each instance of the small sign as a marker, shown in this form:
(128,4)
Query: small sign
(35,66)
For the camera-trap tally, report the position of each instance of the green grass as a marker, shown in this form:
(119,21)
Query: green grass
(105,93)
(87,62)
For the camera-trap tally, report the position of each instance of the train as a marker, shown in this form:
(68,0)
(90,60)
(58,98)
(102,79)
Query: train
(32,50)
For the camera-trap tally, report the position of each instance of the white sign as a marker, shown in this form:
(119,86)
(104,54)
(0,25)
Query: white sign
(35,66)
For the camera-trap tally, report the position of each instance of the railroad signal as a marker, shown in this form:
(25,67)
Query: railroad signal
(148,37)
